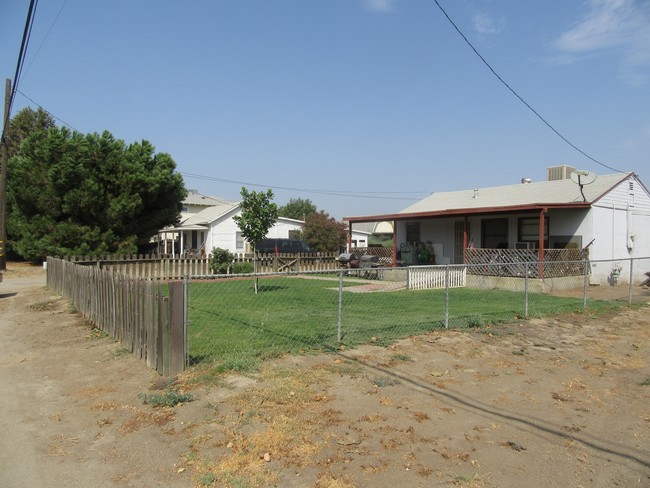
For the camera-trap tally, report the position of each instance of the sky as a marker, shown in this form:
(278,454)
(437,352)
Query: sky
(361,106)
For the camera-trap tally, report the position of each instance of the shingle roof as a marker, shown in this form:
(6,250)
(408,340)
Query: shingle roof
(542,192)
(194,198)
(209,214)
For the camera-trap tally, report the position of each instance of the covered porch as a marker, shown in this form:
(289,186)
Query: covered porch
(184,241)
(515,241)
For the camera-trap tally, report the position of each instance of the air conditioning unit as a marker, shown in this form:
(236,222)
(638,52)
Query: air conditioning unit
(562,172)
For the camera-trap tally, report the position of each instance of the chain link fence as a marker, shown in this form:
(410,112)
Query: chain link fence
(232,326)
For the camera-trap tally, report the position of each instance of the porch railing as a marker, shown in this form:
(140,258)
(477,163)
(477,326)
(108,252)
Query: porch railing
(521,262)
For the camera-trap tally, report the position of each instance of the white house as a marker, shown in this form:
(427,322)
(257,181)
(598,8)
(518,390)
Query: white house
(207,223)
(609,215)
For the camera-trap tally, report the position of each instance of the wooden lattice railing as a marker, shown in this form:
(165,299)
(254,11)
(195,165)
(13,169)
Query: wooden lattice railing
(385,254)
(522,262)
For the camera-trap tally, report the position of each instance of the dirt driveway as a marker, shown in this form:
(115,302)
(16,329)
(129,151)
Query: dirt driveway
(556,402)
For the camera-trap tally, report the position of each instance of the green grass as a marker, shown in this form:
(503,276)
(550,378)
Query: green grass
(231,325)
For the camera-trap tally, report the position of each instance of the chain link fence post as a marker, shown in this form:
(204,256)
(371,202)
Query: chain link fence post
(586,282)
(526,291)
(186,355)
(631,280)
(447,297)
(340,313)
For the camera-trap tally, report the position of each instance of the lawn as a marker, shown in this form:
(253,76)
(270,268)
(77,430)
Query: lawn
(232,325)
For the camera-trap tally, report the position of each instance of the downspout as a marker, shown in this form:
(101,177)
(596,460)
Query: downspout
(540,257)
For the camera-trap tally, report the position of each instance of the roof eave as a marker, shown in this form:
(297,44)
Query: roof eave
(461,212)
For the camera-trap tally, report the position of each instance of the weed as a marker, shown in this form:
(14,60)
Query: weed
(96,333)
(646,382)
(168,399)
(385,381)
(401,357)
(475,321)
(207,479)
(121,351)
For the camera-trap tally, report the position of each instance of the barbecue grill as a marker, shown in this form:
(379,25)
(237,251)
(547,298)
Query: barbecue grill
(349,260)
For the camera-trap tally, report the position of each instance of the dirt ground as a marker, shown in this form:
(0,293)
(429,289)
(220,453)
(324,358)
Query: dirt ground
(559,402)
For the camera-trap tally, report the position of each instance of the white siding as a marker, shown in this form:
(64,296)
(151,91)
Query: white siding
(621,231)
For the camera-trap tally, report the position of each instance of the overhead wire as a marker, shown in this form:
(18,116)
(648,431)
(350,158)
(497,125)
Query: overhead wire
(512,90)
(29,22)
(40,46)
(47,111)
(340,193)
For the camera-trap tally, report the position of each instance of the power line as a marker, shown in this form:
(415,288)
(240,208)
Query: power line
(517,94)
(29,22)
(339,193)
(48,112)
(38,50)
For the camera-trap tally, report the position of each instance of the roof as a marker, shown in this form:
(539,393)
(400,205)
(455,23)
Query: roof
(209,214)
(520,197)
(195,198)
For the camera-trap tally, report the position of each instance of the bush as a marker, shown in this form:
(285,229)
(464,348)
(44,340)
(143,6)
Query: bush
(220,260)
(242,268)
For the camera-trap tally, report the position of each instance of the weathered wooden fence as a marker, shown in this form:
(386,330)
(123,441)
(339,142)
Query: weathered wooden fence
(135,311)
(273,263)
(427,277)
(176,268)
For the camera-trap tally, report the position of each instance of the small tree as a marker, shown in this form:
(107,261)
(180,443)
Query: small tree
(298,208)
(258,214)
(323,233)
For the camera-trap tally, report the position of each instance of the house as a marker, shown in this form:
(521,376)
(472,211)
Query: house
(207,223)
(606,215)
(213,226)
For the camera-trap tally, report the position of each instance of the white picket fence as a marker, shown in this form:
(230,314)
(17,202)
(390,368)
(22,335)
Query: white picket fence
(431,277)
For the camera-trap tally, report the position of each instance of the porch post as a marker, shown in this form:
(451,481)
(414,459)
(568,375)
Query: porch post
(394,243)
(540,257)
(465,236)
(350,237)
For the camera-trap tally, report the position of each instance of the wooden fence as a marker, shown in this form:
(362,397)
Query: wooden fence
(135,311)
(168,268)
(427,277)
(385,254)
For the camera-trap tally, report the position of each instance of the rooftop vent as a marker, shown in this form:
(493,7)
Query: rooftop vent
(525,181)
(562,172)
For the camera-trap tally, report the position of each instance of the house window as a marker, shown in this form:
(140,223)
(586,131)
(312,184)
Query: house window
(239,241)
(413,232)
(529,230)
(294,234)
(494,233)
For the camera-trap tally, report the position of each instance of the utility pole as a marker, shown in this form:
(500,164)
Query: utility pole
(3,179)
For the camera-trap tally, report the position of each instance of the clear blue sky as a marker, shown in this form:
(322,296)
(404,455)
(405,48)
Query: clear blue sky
(346,95)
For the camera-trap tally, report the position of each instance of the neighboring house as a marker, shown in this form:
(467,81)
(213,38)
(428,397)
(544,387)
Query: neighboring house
(612,220)
(207,223)
(194,202)
(214,227)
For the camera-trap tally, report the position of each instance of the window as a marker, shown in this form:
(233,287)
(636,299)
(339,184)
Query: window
(529,230)
(494,233)
(239,241)
(413,232)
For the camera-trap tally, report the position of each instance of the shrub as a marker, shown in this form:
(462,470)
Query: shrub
(220,260)
(242,268)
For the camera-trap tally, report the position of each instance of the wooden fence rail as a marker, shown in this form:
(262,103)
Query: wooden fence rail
(135,311)
(176,268)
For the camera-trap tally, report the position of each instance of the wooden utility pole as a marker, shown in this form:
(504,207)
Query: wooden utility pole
(3,179)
